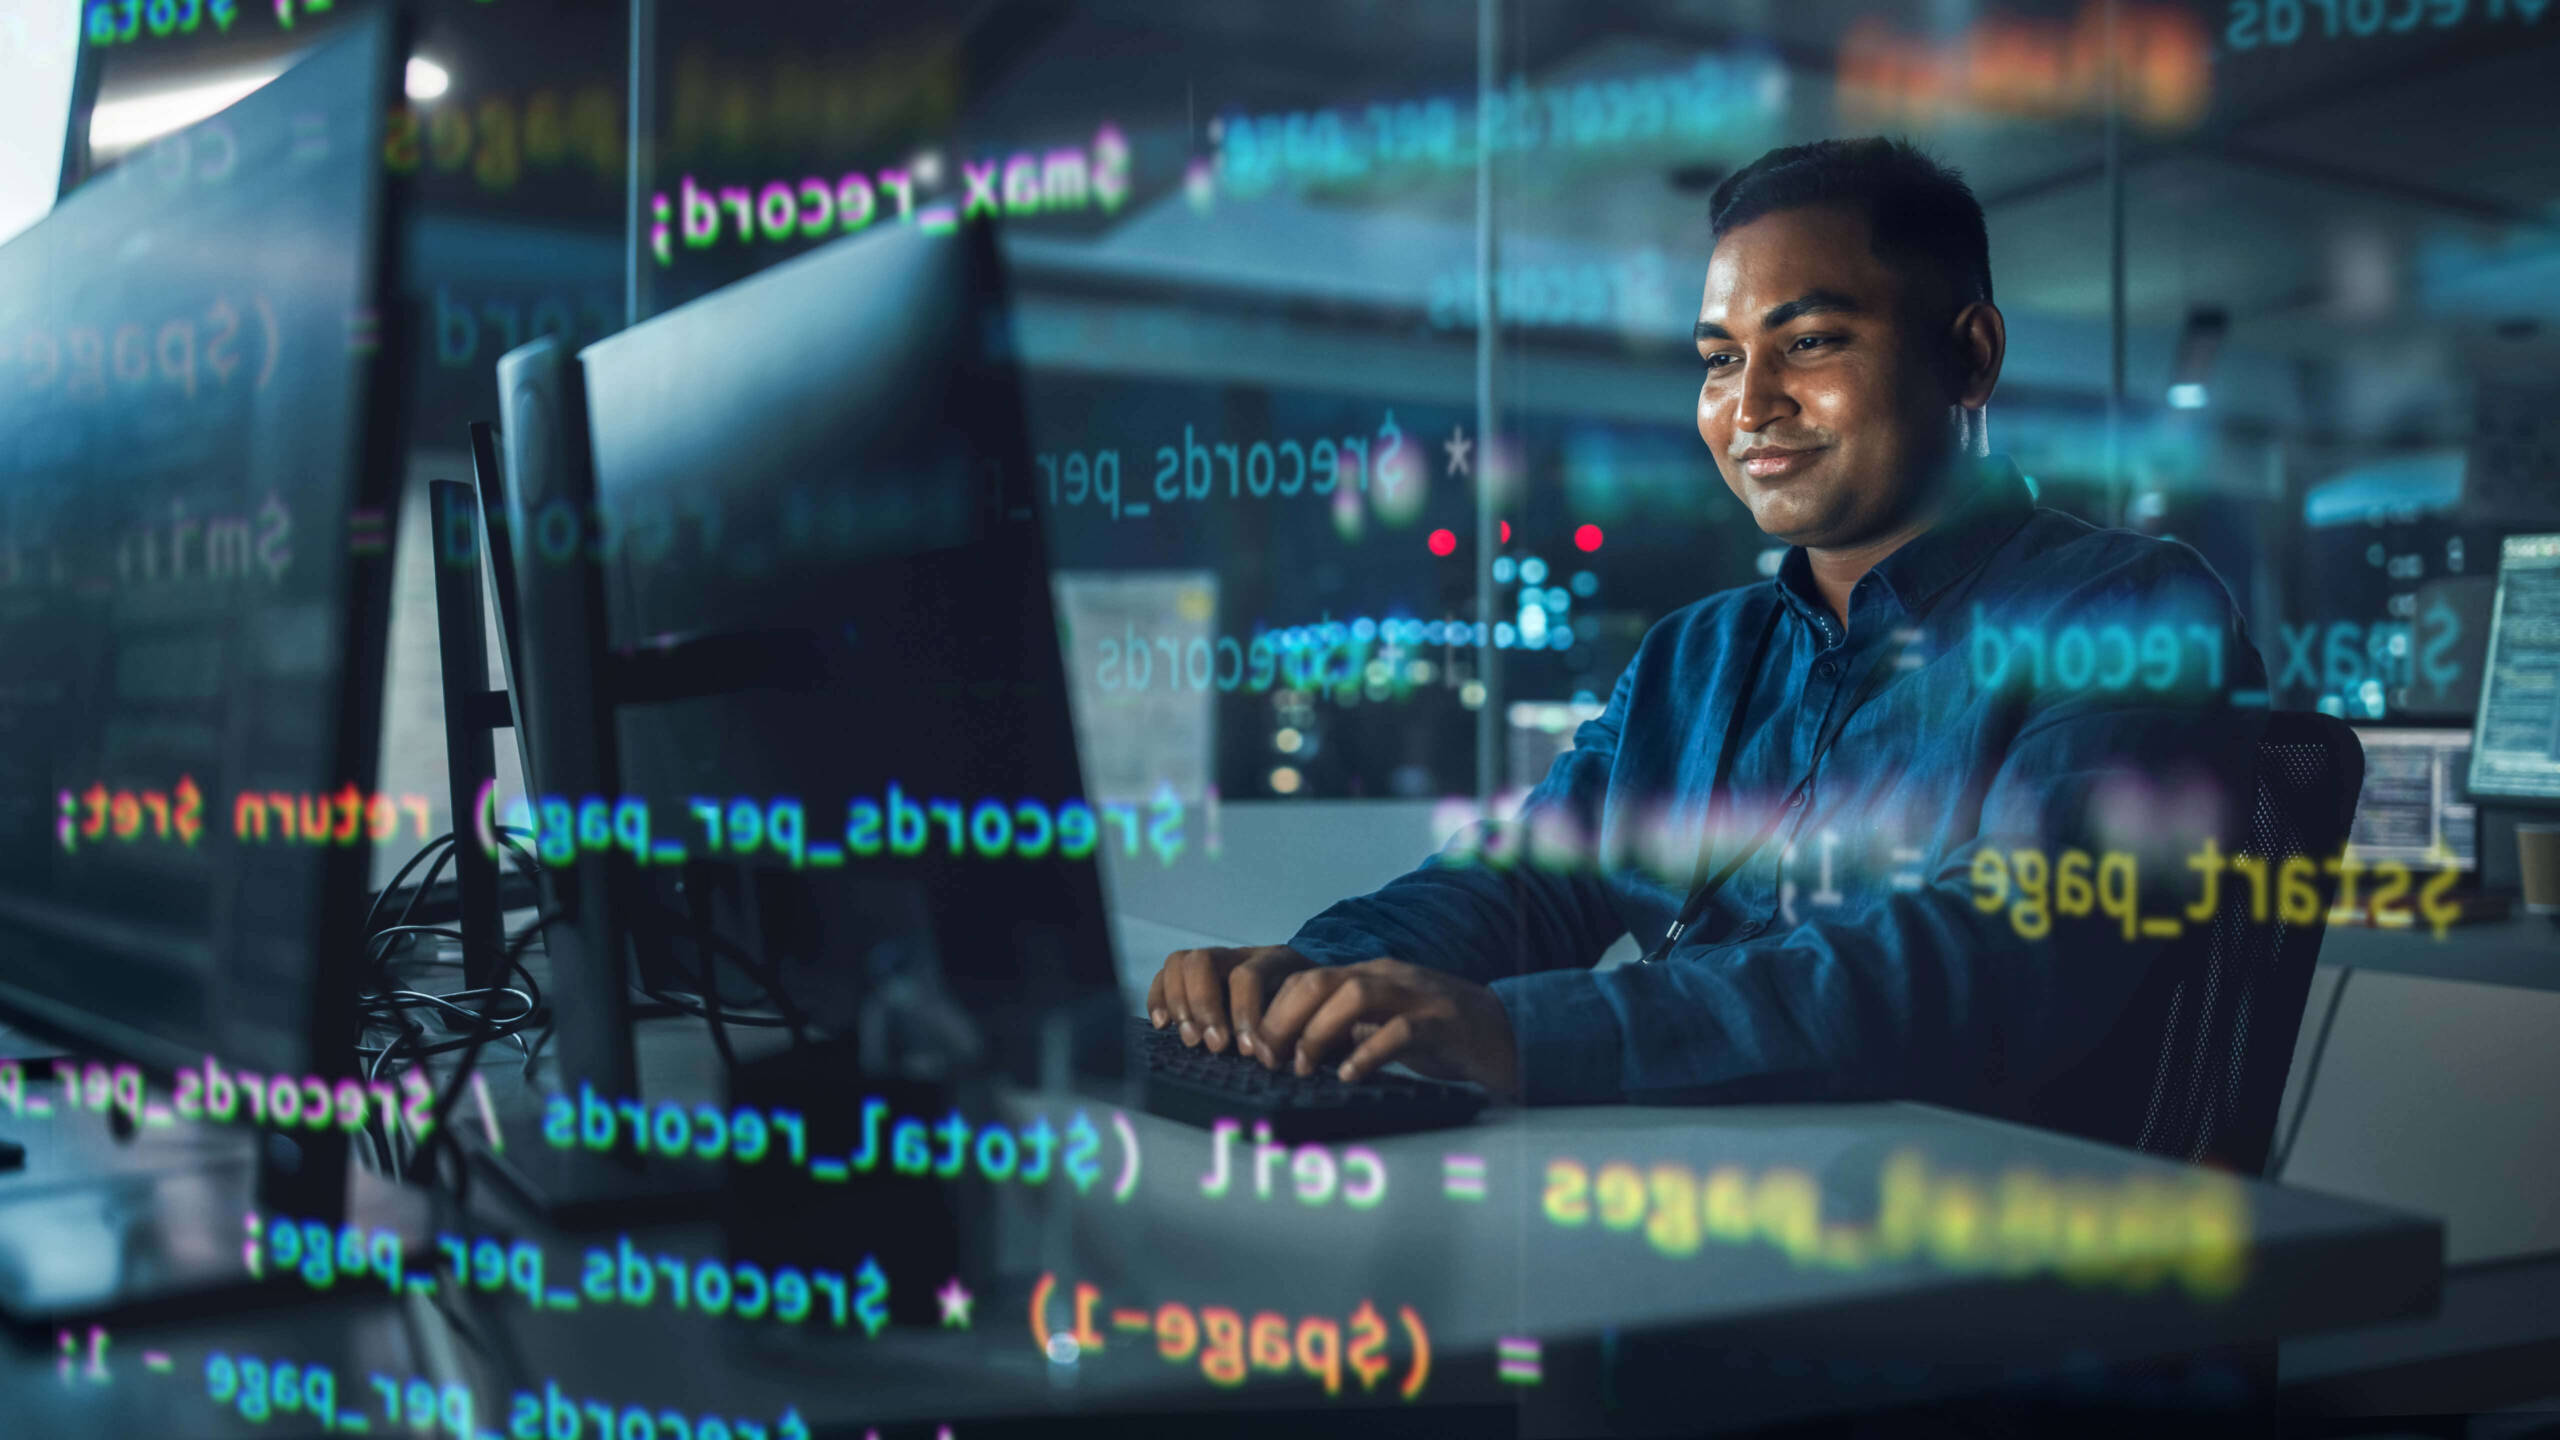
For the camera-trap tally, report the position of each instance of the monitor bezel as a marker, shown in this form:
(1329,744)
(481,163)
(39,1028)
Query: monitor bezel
(2456,791)
(326,1041)
(2504,797)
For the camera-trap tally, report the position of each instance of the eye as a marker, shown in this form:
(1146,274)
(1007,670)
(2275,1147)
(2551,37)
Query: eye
(1711,360)
(1804,340)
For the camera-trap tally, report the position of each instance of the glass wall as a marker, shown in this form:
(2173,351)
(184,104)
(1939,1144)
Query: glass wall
(1364,426)
(1363,410)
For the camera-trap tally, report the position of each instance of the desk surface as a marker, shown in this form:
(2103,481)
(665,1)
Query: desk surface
(2522,950)
(1940,1317)
(1792,1320)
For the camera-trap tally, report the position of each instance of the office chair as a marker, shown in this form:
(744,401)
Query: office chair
(2235,1012)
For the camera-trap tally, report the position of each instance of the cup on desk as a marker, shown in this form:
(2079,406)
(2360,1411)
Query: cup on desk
(2538,858)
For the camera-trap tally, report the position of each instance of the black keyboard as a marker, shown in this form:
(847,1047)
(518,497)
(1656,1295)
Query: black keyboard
(1200,1088)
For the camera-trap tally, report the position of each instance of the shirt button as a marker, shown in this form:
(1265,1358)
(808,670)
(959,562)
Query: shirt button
(1826,668)
(1796,801)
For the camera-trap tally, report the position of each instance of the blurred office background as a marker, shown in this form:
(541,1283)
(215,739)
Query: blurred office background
(1325,386)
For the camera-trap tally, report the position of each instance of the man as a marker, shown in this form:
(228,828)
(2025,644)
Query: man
(1847,709)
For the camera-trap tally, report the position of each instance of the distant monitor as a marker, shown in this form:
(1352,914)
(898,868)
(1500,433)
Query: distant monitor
(196,463)
(2515,752)
(2412,808)
(834,450)
(2448,638)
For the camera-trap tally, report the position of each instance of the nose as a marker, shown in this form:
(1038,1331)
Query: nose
(1760,398)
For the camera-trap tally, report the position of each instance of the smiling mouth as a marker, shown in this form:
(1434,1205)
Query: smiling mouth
(1765,464)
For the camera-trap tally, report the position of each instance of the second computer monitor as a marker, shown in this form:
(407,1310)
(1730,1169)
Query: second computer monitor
(834,451)
(2516,750)
(2412,808)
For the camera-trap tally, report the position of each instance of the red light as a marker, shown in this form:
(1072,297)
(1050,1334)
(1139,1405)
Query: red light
(1587,538)
(1443,542)
(1506,532)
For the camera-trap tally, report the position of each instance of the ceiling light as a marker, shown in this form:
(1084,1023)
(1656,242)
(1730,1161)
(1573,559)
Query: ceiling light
(427,79)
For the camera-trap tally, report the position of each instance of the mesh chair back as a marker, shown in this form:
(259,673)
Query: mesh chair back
(2233,1016)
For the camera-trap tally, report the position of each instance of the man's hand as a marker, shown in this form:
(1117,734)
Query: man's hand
(1382,1010)
(1215,995)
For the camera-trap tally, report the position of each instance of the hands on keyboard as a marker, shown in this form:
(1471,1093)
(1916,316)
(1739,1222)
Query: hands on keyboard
(1201,1087)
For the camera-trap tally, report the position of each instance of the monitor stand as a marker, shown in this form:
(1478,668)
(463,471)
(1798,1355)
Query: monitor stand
(154,1222)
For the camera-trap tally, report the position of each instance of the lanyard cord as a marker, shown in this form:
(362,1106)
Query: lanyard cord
(1701,890)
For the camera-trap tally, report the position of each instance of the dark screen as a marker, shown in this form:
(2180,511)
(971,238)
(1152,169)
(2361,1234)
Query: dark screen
(184,357)
(824,451)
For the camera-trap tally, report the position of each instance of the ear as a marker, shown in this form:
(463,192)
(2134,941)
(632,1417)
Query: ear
(1979,338)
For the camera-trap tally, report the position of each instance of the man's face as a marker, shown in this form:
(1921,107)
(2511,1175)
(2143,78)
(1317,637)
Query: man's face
(1825,416)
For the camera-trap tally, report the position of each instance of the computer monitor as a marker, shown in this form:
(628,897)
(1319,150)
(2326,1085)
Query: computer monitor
(2515,750)
(489,478)
(835,449)
(196,455)
(2412,809)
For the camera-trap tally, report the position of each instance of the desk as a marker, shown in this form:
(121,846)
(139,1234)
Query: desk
(1628,1337)
(2521,950)
(1809,1338)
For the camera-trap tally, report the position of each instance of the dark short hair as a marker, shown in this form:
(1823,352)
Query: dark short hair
(1920,213)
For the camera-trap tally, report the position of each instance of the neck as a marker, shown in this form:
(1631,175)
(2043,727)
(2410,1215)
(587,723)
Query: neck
(1836,572)
(1838,569)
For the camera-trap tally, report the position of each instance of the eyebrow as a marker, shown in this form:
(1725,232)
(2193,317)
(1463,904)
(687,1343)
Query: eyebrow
(1812,302)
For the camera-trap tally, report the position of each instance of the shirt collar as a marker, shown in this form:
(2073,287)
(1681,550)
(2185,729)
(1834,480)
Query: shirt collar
(1992,507)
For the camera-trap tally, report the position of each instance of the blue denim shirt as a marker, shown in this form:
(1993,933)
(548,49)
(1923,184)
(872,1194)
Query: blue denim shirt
(2013,680)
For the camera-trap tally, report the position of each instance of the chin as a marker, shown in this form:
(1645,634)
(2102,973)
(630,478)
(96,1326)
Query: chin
(1788,519)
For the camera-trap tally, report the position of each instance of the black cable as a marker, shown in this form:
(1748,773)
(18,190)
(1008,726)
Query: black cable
(375,911)
(533,992)
(385,1137)
(532,986)
(712,1012)
(374,999)
(535,1052)
(391,1007)
(758,966)
(446,848)
(439,847)
(442,1048)
(442,848)
(711,1015)
(2311,1074)
(507,836)
(386,931)
(508,1025)
(703,939)
(438,1131)
(678,1003)
(435,872)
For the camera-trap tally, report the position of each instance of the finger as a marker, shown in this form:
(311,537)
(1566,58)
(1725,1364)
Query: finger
(1177,991)
(1155,996)
(1207,1002)
(1177,986)
(1291,1006)
(1244,1005)
(1389,1042)
(1328,1031)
